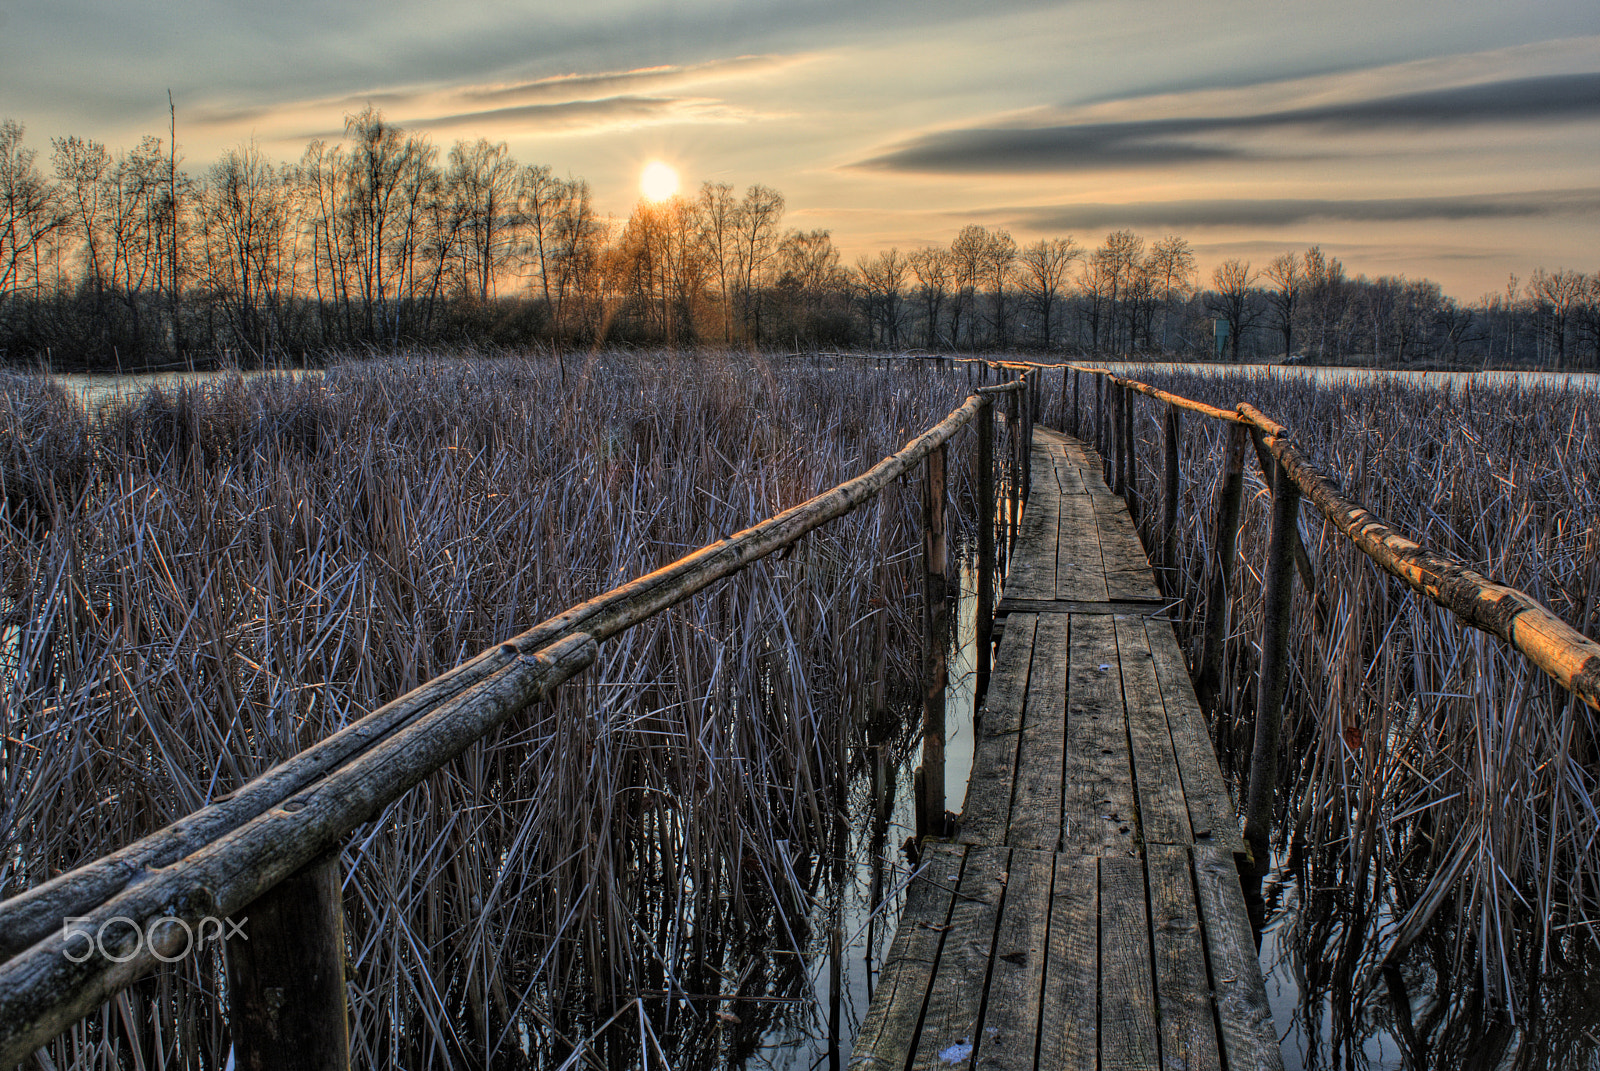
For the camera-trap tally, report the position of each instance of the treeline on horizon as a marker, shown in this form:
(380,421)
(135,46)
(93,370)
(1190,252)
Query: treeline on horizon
(123,260)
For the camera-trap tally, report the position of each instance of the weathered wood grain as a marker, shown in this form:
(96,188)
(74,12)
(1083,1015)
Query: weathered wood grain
(1163,811)
(987,810)
(1183,993)
(1010,1032)
(1080,568)
(1128,572)
(1127,1000)
(890,1026)
(1070,1022)
(1249,1041)
(1097,804)
(1036,799)
(950,1023)
(1211,813)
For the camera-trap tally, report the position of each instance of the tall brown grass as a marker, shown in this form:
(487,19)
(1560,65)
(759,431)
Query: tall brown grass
(1438,799)
(201,583)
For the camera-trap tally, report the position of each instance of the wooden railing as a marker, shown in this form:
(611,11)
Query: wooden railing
(270,849)
(1569,657)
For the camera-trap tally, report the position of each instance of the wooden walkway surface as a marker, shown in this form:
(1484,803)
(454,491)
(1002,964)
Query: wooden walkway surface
(1088,913)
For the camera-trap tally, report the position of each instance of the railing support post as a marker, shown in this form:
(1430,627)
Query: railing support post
(1277,599)
(935,671)
(1171,487)
(1130,481)
(286,991)
(984,463)
(1102,429)
(1014,471)
(1075,424)
(1026,446)
(1225,535)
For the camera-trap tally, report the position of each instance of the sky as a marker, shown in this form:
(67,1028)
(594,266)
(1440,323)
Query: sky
(1458,141)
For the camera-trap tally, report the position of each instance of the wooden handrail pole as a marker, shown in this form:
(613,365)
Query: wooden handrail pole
(286,986)
(983,464)
(1225,536)
(1277,602)
(1171,487)
(936,632)
(1119,443)
(1013,474)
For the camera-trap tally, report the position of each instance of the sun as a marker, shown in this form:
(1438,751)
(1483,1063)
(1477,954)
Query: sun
(658,181)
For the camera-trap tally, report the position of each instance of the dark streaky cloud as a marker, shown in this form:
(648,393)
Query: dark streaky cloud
(1159,142)
(1283,211)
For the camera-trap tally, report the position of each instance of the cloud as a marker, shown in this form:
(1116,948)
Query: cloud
(608,112)
(1166,141)
(1278,212)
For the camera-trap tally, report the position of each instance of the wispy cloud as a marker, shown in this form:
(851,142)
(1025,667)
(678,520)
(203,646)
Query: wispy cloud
(1284,211)
(580,102)
(1166,141)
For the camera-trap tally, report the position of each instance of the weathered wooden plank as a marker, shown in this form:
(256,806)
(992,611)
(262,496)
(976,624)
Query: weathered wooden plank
(1080,568)
(1163,814)
(1249,1041)
(1069,475)
(1128,572)
(994,759)
(1136,607)
(1127,1002)
(1069,1024)
(950,1022)
(1211,813)
(1036,799)
(1097,800)
(1183,993)
(1032,573)
(890,1026)
(1010,1033)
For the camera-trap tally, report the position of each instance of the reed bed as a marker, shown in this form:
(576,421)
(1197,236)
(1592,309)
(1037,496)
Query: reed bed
(200,583)
(1437,809)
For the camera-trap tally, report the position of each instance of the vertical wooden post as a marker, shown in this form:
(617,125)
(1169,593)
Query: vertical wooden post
(1130,486)
(1101,443)
(1014,470)
(1117,471)
(1075,425)
(936,631)
(1224,539)
(1278,599)
(984,462)
(286,992)
(1169,499)
(1027,435)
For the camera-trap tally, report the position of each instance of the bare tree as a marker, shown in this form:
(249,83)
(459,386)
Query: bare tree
(1045,266)
(481,184)
(882,281)
(1230,300)
(934,269)
(1556,295)
(999,267)
(30,214)
(968,254)
(1171,266)
(755,247)
(1288,282)
(719,223)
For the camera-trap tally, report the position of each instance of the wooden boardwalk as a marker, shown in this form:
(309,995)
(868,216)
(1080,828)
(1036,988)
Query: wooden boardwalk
(1088,914)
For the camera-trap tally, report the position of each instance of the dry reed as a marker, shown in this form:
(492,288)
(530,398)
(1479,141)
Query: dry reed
(201,583)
